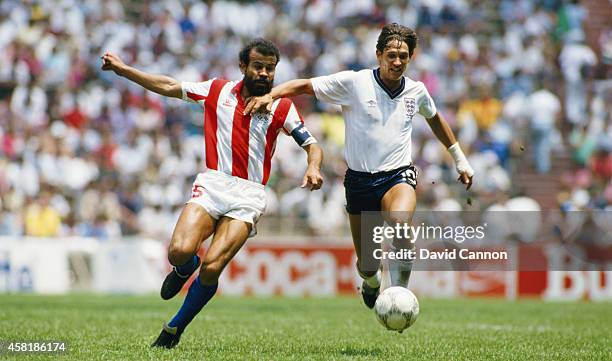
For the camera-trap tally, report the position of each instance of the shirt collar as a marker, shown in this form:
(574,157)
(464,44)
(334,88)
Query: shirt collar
(237,88)
(391,93)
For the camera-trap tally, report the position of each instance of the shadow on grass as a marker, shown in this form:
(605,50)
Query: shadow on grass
(361,351)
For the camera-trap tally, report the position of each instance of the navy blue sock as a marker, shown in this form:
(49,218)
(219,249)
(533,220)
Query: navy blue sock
(197,297)
(188,268)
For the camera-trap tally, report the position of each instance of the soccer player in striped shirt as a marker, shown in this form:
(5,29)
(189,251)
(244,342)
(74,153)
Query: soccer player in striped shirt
(228,196)
(378,106)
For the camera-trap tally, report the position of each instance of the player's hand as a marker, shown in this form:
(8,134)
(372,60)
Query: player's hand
(112,62)
(258,104)
(466,179)
(465,170)
(313,179)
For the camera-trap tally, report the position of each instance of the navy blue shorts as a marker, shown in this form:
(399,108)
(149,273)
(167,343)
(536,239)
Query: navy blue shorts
(364,191)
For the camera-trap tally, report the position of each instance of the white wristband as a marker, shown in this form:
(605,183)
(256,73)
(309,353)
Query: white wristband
(461,162)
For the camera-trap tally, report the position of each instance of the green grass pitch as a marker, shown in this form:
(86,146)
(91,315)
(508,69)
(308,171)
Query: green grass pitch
(122,327)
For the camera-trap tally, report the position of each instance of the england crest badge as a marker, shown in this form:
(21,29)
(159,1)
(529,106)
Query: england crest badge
(411,107)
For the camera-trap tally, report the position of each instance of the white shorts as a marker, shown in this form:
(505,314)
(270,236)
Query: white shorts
(224,195)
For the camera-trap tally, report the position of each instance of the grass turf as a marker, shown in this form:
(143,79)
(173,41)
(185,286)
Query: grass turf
(122,327)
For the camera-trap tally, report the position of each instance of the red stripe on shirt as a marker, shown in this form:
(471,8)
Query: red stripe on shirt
(210,123)
(240,141)
(280,114)
(195,97)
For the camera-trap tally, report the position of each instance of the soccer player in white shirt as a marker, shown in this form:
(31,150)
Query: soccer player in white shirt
(378,107)
(228,196)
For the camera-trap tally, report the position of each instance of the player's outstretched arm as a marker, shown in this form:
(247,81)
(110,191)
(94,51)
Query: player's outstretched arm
(313,178)
(444,133)
(288,89)
(159,84)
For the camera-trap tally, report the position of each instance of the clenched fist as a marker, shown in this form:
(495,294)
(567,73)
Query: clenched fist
(112,62)
(312,179)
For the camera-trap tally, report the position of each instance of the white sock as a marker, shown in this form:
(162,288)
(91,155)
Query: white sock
(374,281)
(400,270)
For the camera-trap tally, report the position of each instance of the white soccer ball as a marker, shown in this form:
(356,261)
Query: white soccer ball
(396,308)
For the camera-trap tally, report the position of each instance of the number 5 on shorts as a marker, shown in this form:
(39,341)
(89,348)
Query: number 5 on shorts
(196,191)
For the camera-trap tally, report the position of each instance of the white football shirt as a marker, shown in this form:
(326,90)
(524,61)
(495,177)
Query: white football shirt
(378,121)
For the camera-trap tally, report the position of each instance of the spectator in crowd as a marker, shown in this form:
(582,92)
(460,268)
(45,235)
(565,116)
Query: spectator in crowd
(42,220)
(544,110)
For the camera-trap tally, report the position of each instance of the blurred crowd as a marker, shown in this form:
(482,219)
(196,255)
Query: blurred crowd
(85,152)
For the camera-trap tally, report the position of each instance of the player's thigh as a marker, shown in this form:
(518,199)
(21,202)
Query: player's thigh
(398,203)
(193,227)
(230,236)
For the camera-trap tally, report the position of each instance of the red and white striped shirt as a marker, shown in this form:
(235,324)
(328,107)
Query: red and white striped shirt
(237,144)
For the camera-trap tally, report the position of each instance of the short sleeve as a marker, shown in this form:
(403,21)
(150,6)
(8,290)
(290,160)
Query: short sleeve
(294,126)
(427,107)
(196,92)
(335,88)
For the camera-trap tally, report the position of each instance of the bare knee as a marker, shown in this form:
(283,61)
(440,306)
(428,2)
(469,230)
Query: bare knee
(180,252)
(399,218)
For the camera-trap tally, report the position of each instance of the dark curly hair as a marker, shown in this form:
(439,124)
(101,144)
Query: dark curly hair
(263,46)
(395,31)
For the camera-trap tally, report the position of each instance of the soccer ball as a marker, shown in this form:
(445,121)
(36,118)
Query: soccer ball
(396,308)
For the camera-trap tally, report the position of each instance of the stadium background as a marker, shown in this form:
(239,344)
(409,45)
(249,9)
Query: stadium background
(99,169)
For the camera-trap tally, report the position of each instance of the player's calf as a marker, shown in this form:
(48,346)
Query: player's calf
(210,272)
